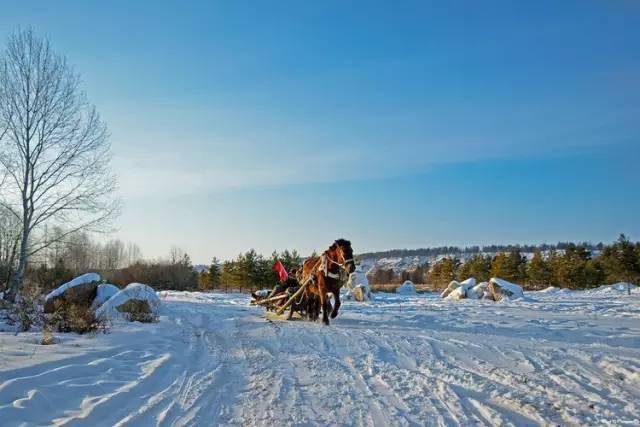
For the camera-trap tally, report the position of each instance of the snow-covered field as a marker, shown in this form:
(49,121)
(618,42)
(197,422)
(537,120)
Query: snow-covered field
(560,357)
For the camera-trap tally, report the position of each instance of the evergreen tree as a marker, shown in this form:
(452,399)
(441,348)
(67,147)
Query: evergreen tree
(478,267)
(509,266)
(443,271)
(570,268)
(214,273)
(539,272)
(622,262)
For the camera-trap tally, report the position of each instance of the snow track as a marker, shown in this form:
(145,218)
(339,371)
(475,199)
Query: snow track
(401,360)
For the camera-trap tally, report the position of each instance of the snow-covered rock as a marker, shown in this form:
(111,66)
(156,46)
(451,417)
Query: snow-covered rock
(103,293)
(357,289)
(501,289)
(460,290)
(361,293)
(407,288)
(135,302)
(453,285)
(79,291)
(479,291)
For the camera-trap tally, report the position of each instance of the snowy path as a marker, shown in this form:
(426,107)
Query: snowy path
(566,359)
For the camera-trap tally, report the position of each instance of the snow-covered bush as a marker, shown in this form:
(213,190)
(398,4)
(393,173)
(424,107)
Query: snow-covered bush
(136,302)
(407,288)
(70,317)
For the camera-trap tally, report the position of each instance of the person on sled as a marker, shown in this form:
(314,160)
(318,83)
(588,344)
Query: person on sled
(286,280)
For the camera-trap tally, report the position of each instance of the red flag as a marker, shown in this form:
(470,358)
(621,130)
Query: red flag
(282,272)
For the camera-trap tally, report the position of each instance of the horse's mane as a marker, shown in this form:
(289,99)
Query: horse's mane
(345,244)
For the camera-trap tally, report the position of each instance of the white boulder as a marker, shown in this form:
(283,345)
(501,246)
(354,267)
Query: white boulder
(502,290)
(360,292)
(460,290)
(453,285)
(479,291)
(135,302)
(79,291)
(103,293)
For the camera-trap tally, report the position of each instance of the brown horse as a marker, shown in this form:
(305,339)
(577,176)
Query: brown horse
(326,275)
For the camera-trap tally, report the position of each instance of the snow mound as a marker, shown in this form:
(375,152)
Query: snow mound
(103,293)
(80,280)
(115,307)
(552,290)
(502,290)
(616,288)
(407,288)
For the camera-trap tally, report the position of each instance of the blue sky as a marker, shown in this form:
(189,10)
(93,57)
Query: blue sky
(279,125)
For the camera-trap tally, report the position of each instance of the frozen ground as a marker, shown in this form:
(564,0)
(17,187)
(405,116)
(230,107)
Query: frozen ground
(561,358)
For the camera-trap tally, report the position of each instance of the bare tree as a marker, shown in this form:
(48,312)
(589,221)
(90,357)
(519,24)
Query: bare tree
(54,151)
(113,255)
(9,243)
(133,254)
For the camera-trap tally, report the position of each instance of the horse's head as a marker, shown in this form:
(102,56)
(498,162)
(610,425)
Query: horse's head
(344,254)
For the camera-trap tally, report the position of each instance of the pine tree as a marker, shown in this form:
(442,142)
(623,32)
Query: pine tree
(443,271)
(509,266)
(539,272)
(626,266)
(214,273)
(478,267)
(570,269)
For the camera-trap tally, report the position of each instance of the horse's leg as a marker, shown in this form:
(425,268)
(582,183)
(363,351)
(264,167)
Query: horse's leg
(323,301)
(336,305)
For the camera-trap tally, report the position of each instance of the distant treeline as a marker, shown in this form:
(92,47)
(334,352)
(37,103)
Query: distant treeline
(451,250)
(567,265)
(247,272)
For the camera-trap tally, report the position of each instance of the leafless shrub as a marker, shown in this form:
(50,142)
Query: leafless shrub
(138,311)
(70,317)
(26,312)
(47,336)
